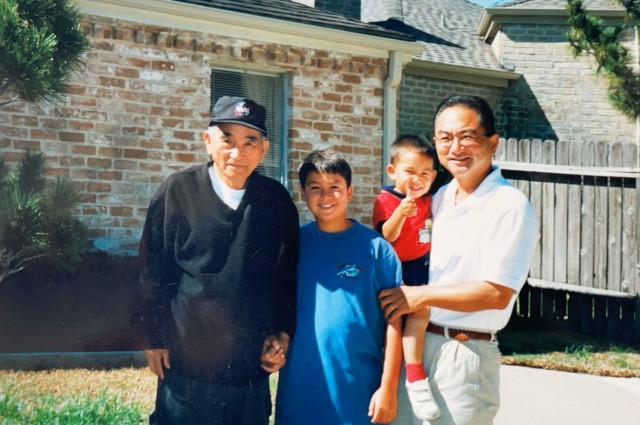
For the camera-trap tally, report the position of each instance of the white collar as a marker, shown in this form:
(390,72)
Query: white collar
(229,196)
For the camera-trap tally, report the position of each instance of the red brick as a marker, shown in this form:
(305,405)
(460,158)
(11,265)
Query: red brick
(323,126)
(371,121)
(81,125)
(110,175)
(151,144)
(138,63)
(53,123)
(57,172)
(98,187)
(123,164)
(344,108)
(177,146)
(23,145)
(352,79)
(332,97)
(185,157)
(136,153)
(67,136)
(44,134)
(83,101)
(163,65)
(150,166)
(135,131)
(76,89)
(301,124)
(83,174)
(103,45)
(87,198)
(110,152)
(83,149)
(99,163)
(126,95)
(343,88)
(121,211)
(184,135)
(172,123)
(25,120)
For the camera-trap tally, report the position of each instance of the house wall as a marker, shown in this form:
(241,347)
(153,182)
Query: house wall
(559,97)
(138,111)
(420,96)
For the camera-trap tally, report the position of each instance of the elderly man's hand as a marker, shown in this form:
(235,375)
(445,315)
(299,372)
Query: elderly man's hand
(274,352)
(158,360)
(398,301)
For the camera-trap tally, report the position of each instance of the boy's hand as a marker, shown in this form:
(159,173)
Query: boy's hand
(383,407)
(274,352)
(407,206)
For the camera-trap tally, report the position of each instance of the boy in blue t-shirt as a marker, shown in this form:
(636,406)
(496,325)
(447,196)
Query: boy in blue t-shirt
(344,362)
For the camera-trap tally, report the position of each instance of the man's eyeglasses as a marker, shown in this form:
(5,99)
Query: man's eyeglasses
(464,139)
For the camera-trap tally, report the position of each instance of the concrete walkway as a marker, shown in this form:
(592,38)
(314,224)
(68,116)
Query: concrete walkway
(542,397)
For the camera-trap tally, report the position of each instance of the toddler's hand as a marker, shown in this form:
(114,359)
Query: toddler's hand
(408,205)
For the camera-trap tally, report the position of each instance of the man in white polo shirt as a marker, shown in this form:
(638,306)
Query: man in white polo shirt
(484,235)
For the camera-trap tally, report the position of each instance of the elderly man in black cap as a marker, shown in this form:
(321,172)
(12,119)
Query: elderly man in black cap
(219,253)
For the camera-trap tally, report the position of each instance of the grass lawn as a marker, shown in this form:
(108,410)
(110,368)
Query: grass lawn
(555,348)
(126,396)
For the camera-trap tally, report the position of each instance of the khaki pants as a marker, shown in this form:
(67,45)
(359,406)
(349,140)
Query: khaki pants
(465,379)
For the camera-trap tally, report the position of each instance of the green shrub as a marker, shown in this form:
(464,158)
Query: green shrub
(36,222)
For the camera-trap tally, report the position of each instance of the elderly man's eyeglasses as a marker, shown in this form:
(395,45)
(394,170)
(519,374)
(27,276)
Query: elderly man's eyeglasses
(464,139)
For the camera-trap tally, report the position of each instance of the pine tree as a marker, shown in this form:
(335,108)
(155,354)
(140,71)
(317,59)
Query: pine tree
(41,43)
(36,222)
(591,36)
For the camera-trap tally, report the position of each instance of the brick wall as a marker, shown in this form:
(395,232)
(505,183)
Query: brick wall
(559,96)
(420,96)
(137,113)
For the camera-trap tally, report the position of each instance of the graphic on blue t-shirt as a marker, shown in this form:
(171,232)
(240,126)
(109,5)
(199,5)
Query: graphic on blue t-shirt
(349,271)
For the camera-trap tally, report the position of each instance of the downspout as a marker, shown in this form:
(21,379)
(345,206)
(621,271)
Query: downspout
(637,52)
(390,108)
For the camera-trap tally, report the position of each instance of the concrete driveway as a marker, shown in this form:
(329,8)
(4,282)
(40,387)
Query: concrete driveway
(542,397)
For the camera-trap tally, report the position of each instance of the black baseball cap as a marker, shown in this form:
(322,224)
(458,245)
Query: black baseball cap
(238,110)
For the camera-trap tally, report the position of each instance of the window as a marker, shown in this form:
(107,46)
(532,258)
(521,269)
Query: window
(267,90)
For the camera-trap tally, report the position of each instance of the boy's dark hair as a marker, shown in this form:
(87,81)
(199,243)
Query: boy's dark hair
(412,142)
(324,161)
(478,104)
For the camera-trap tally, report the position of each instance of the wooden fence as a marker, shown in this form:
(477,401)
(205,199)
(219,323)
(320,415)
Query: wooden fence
(586,269)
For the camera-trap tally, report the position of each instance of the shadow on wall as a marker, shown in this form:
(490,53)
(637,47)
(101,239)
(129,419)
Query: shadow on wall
(524,118)
(92,309)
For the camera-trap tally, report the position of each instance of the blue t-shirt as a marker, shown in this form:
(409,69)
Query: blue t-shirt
(335,362)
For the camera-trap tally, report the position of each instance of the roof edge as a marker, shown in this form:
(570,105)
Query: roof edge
(461,73)
(199,18)
(493,16)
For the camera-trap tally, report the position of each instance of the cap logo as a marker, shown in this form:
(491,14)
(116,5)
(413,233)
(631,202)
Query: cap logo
(241,110)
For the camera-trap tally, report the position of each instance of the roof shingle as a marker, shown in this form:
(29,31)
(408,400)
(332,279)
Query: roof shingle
(287,10)
(560,4)
(447,29)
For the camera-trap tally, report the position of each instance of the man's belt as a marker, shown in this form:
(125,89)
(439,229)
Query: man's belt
(461,335)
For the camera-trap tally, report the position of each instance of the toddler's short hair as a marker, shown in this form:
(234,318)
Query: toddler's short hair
(412,142)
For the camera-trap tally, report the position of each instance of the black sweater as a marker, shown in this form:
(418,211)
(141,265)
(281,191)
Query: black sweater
(216,281)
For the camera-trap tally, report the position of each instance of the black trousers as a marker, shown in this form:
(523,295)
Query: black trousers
(186,401)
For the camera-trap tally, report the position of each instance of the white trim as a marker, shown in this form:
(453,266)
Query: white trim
(557,286)
(464,74)
(492,17)
(205,19)
(571,170)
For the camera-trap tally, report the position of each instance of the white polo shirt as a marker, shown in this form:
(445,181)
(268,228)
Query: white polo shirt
(491,236)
